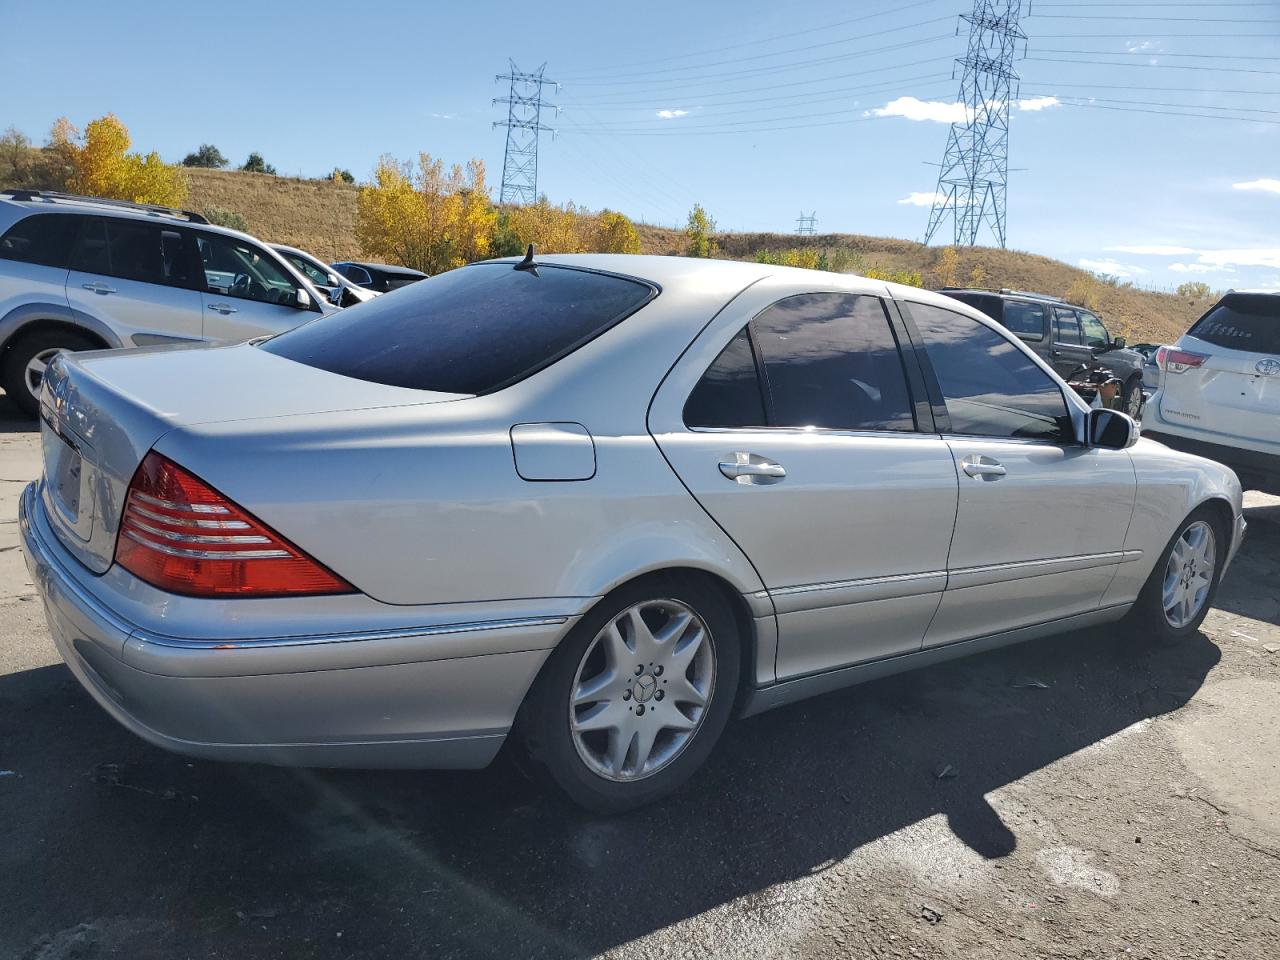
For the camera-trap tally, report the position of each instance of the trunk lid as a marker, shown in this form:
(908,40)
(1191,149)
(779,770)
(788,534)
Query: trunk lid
(101,412)
(1234,393)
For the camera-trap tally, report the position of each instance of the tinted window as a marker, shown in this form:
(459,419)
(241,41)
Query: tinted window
(991,388)
(133,250)
(728,395)
(1095,334)
(830,360)
(309,270)
(1242,321)
(1025,319)
(472,330)
(44,238)
(1068,326)
(237,268)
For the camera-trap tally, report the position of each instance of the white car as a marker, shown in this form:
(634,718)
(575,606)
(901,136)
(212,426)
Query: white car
(598,503)
(327,279)
(1219,394)
(83,273)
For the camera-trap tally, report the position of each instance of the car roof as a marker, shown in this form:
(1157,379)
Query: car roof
(383,267)
(81,207)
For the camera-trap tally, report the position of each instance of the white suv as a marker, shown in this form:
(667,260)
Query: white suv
(1219,392)
(78,273)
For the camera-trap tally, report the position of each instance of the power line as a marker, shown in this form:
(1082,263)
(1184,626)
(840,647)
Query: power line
(1154,53)
(1167,113)
(1151,36)
(896,8)
(1112,4)
(1153,66)
(1126,17)
(1163,103)
(1163,89)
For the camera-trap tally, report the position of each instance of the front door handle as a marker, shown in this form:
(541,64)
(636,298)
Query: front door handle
(99,287)
(983,468)
(748,468)
(223,308)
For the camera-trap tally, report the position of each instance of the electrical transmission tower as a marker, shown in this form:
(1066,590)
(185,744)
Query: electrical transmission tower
(973,181)
(805,224)
(523,123)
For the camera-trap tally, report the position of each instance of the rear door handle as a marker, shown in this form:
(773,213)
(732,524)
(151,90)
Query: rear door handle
(749,468)
(223,308)
(983,468)
(99,287)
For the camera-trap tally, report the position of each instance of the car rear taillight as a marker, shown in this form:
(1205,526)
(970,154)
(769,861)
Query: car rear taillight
(181,535)
(1173,360)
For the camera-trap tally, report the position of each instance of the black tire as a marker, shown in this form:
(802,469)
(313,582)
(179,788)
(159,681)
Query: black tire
(1132,399)
(1147,619)
(544,726)
(13,372)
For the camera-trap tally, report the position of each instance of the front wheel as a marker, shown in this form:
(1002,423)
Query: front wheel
(635,698)
(1132,399)
(1177,596)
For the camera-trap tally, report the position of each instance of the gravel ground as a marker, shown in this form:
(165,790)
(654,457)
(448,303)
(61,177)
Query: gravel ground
(1100,800)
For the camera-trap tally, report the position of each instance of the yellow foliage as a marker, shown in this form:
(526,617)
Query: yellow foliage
(910,278)
(978,276)
(424,219)
(102,166)
(1083,292)
(615,233)
(948,267)
(551,229)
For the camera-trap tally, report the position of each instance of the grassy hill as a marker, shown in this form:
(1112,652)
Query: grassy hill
(319,215)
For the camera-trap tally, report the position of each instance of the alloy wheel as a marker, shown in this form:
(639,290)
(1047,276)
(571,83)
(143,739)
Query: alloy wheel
(1134,404)
(36,366)
(642,689)
(1188,575)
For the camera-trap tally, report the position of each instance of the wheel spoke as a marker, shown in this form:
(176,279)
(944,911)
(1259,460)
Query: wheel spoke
(619,746)
(642,639)
(615,646)
(680,690)
(605,686)
(603,716)
(675,719)
(683,654)
(642,743)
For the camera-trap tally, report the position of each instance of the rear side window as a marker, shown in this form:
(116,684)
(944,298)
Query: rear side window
(43,239)
(991,388)
(830,360)
(133,250)
(1242,321)
(472,330)
(1068,326)
(729,393)
(1024,319)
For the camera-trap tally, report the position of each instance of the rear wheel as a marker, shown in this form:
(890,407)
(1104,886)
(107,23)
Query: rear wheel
(1177,596)
(635,698)
(25,362)
(1131,397)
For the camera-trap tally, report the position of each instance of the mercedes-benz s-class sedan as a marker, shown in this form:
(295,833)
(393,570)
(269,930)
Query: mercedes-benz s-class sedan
(597,503)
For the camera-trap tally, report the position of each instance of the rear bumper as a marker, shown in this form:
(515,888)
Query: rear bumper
(1256,470)
(380,699)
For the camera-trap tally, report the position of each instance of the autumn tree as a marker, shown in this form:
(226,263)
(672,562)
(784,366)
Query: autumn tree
(615,233)
(423,218)
(255,164)
(947,267)
(1193,290)
(206,155)
(978,276)
(701,232)
(101,165)
(341,175)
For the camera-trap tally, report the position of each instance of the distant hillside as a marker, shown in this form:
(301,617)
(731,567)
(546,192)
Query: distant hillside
(319,215)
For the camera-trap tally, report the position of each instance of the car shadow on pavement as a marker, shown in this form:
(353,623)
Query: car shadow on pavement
(1249,589)
(171,857)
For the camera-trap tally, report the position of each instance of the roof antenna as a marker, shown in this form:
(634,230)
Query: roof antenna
(527,263)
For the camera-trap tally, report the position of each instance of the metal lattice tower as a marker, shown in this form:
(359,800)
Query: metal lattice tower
(523,123)
(805,224)
(973,181)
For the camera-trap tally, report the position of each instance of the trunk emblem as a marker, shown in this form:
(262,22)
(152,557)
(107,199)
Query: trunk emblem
(1267,366)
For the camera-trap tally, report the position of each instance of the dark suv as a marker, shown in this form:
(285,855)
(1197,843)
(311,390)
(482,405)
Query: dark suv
(1071,339)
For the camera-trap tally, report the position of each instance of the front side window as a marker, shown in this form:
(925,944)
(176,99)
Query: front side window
(237,268)
(1242,321)
(1024,319)
(43,239)
(473,330)
(730,393)
(133,250)
(830,360)
(357,275)
(309,270)
(990,387)
(1095,334)
(1068,326)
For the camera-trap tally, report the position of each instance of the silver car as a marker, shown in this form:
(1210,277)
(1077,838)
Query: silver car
(598,503)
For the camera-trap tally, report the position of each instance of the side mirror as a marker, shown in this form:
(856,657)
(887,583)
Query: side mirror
(1119,343)
(1111,430)
(305,302)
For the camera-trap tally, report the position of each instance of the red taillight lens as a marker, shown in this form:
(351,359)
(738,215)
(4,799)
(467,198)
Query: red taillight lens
(181,535)
(1172,360)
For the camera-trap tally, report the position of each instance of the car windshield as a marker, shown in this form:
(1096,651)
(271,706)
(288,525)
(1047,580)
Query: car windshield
(1242,321)
(473,330)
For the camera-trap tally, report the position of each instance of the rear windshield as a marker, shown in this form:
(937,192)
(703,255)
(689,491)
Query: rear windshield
(472,330)
(1242,321)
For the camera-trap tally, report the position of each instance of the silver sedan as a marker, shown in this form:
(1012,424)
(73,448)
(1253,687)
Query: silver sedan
(597,503)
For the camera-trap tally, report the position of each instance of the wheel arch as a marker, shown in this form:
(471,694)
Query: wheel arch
(35,317)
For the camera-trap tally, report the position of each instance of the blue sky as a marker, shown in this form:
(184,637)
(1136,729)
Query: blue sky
(758,110)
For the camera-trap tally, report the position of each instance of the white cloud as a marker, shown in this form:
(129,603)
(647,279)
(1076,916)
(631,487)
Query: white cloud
(1266,185)
(1253,257)
(1039,103)
(1142,46)
(922,199)
(1153,250)
(1200,268)
(1113,267)
(914,109)
(672,114)
(444,116)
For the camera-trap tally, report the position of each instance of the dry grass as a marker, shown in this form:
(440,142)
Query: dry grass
(319,216)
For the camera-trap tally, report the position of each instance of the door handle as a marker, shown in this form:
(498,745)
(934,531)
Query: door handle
(223,308)
(748,468)
(983,468)
(99,287)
